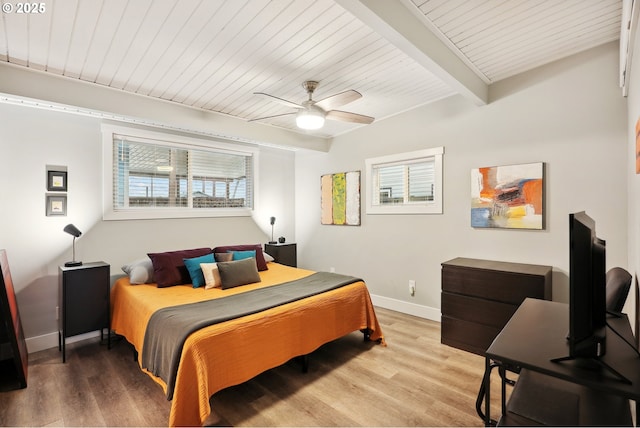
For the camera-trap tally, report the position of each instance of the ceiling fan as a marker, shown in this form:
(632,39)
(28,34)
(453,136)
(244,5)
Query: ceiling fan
(311,114)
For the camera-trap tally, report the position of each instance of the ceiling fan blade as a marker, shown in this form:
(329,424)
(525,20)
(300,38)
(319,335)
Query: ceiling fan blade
(271,117)
(346,116)
(279,100)
(338,100)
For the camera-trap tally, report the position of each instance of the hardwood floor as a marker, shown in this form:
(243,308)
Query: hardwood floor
(414,381)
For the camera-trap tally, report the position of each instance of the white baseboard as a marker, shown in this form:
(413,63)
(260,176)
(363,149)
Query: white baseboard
(406,307)
(50,340)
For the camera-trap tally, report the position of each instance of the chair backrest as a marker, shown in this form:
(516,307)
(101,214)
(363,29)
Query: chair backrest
(618,285)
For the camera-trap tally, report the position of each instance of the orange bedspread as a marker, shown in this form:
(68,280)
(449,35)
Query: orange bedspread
(235,351)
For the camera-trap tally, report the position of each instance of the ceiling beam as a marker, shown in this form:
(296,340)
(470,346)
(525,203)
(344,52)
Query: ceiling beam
(393,21)
(28,87)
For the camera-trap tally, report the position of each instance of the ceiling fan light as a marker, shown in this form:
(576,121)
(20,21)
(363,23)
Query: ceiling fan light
(310,119)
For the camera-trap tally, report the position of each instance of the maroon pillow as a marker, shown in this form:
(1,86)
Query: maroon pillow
(169,268)
(260,261)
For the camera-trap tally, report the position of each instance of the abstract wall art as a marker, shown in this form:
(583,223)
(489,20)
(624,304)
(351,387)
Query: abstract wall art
(510,197)
(340,199)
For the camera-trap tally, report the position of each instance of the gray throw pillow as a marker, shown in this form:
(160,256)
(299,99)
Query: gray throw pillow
(139,271)
(239,272)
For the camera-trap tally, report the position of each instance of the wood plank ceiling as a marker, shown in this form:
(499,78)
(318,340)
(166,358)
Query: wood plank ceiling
(501,38)
(214,54)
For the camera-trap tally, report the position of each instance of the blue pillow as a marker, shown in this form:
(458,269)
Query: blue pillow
(241,255)
(195,272)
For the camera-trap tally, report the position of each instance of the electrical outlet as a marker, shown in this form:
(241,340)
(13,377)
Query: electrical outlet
(332,269)
(412,287)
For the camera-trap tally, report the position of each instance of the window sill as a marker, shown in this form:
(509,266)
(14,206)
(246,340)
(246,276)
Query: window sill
(159,213)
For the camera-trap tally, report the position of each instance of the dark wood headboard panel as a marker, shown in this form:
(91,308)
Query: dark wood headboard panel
(13,349)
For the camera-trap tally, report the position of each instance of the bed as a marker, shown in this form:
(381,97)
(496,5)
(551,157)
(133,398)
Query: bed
(231,352)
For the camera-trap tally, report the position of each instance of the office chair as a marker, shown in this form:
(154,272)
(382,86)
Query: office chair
(618,283)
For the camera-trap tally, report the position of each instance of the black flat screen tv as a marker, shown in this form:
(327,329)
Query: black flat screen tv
(587,289)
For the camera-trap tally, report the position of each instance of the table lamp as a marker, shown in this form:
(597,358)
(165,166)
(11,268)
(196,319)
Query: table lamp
(272,220)
(75,232)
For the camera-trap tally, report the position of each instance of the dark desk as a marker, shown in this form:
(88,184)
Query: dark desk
(537,333)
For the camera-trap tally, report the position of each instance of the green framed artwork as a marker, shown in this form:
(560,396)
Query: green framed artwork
(340,198)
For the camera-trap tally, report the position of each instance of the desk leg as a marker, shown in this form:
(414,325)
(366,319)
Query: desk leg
(485,394)
(503,382)
(487,391)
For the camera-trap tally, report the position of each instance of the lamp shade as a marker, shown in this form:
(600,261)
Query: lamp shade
(272,221)
(72,230)
(310,118)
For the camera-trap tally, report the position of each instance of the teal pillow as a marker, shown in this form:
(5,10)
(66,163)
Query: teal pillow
(241,255)
(195,271)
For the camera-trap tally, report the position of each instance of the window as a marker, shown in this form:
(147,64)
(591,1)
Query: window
(153,175)
(406,183)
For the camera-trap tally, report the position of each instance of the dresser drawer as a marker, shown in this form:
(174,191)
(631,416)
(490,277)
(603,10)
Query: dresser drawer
(473,309)
(507,287)
(467,335)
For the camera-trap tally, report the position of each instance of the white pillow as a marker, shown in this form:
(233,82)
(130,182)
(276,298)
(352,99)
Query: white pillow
(139,271)
(211,275)
(268,258)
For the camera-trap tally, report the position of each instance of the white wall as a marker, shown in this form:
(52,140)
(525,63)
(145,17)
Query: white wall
(570,115)
(32,138)
(633,109)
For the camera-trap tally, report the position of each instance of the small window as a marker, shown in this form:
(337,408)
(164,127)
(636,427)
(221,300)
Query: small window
(406,183)
(152,175)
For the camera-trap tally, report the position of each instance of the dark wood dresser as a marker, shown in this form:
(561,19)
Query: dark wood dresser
(480,296)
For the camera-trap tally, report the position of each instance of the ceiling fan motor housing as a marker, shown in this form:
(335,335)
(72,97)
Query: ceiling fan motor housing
(310,86)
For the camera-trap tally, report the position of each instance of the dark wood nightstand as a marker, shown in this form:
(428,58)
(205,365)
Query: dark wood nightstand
(285,254)
(83,296)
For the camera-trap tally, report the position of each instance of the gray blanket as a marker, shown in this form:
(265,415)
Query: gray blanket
(168,328)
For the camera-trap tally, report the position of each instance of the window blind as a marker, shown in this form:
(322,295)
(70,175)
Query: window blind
(156,174)
(404,182)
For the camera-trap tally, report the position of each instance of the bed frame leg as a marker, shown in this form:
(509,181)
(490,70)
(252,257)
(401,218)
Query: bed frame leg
(135,355)
(367,334)
(304,360)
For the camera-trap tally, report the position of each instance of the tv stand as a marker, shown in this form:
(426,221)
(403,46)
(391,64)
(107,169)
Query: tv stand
(543,324)
(596,363)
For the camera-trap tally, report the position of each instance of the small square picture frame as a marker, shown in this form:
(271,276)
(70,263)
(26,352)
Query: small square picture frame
(57,181)
(56,205)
